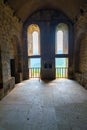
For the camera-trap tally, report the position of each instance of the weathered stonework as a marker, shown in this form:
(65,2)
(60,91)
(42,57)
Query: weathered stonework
(81,50)
(82,78)
(83,55)
(10,30)
(0,71)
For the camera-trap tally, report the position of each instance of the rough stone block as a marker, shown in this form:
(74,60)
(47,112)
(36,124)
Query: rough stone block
(9,85)
(18,77)
(1,93)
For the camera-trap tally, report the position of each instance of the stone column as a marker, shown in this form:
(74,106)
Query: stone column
(47,51)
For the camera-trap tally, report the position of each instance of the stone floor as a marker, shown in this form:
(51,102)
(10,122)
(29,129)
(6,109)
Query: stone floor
(37,105)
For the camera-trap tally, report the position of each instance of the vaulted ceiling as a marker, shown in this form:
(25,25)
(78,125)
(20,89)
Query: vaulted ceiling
(24,8)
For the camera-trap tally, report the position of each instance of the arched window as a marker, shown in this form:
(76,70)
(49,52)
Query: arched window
(62,39)
(61,47)
(33,39)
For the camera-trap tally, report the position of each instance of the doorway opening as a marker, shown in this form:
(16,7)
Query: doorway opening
(34,65)
(61,65)
(61,51)
(34,58)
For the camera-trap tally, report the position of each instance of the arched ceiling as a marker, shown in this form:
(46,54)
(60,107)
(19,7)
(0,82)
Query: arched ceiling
(24,8)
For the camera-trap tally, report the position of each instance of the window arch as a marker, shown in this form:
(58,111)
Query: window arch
(61,46)
(33,39)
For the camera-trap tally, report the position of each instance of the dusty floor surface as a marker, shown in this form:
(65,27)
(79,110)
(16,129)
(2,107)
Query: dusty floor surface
(37,105)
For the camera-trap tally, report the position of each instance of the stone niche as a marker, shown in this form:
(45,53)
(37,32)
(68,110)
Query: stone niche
(9,27)
(15,60)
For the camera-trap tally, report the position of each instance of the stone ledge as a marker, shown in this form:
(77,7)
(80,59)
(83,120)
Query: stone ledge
(18,77)
(1,93)
(82,79)
(9,85)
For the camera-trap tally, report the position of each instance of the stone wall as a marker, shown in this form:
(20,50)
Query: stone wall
(1,85)
(10,29)
(83,54)
(81,49)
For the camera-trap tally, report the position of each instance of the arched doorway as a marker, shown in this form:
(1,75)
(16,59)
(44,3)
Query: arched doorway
(34,60)
(61,50)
